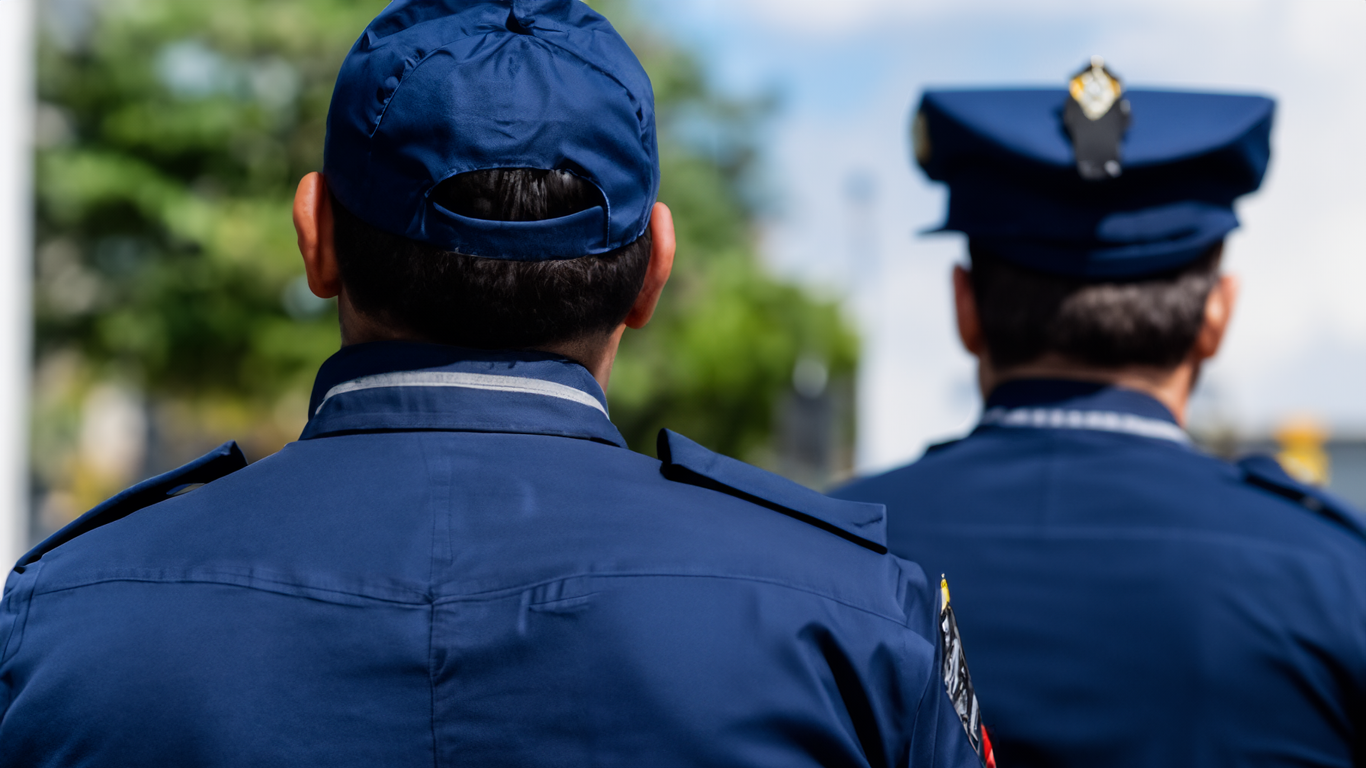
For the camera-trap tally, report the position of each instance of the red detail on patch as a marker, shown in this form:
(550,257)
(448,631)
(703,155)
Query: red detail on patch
(988,756)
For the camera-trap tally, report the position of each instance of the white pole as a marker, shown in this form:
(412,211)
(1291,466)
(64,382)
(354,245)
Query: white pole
(16,270)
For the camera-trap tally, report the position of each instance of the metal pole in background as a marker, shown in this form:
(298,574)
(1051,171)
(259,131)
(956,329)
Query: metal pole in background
(16,271)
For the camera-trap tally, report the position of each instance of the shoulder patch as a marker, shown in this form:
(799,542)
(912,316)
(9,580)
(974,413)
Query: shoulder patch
(687,462)
(1266,473)
(221,462)
(958,681)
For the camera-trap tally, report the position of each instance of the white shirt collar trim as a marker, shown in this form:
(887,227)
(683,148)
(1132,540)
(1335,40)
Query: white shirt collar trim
(1097,421)
(517,384)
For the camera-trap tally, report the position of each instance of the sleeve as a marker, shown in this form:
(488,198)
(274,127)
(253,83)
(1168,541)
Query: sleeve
(938,739)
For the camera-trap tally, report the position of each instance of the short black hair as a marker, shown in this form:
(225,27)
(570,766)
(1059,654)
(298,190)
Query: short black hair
(451,298)
(1152,321)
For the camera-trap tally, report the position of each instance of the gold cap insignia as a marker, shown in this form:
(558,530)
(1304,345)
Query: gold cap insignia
(1096,89)
(1097,117)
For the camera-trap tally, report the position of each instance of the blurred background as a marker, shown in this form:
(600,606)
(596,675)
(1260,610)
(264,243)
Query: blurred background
(154,304)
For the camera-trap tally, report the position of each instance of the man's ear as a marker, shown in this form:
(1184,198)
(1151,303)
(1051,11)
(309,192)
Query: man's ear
(1219,307)
(965,309)
(313,223)
(663,243)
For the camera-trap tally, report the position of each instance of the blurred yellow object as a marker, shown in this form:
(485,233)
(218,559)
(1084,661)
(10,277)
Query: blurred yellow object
(1302,453)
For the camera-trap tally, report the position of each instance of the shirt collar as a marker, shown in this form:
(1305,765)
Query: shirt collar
(1063,404)
(388,386)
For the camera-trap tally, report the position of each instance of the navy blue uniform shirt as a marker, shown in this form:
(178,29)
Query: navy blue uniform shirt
(1129,601)
(461,564)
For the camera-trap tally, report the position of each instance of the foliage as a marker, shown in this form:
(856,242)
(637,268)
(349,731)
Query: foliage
(172,134)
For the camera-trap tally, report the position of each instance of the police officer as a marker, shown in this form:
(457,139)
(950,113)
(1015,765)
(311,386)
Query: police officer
(459,563)
(1130,600)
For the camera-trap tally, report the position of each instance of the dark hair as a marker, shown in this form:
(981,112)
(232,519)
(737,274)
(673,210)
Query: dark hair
(1154,320)
(451,298)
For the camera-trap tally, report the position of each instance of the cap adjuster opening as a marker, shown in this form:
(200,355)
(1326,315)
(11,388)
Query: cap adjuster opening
(542,240)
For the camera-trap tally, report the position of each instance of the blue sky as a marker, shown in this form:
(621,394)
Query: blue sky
(849,74)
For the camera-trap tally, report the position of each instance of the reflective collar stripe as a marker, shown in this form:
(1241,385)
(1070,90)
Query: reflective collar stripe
(1099,421)
(466,381)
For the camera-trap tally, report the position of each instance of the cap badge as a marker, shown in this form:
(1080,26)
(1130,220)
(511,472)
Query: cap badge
(957,680)
(1095,90)
(1097,118)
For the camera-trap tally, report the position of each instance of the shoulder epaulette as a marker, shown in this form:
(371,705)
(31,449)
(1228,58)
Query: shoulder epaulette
(687,462)
(222,461)
(937,447)
(1266,473)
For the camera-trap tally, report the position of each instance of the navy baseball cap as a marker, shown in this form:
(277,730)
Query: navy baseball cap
(437,88)
(1094,181)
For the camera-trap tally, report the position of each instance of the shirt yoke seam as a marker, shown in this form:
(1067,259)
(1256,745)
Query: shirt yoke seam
(262,586)
(500,592)
(492,594)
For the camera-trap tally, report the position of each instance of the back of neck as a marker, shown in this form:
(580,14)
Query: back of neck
(1169,386)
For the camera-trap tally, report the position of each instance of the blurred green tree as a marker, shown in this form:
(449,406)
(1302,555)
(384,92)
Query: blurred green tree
(171,136)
